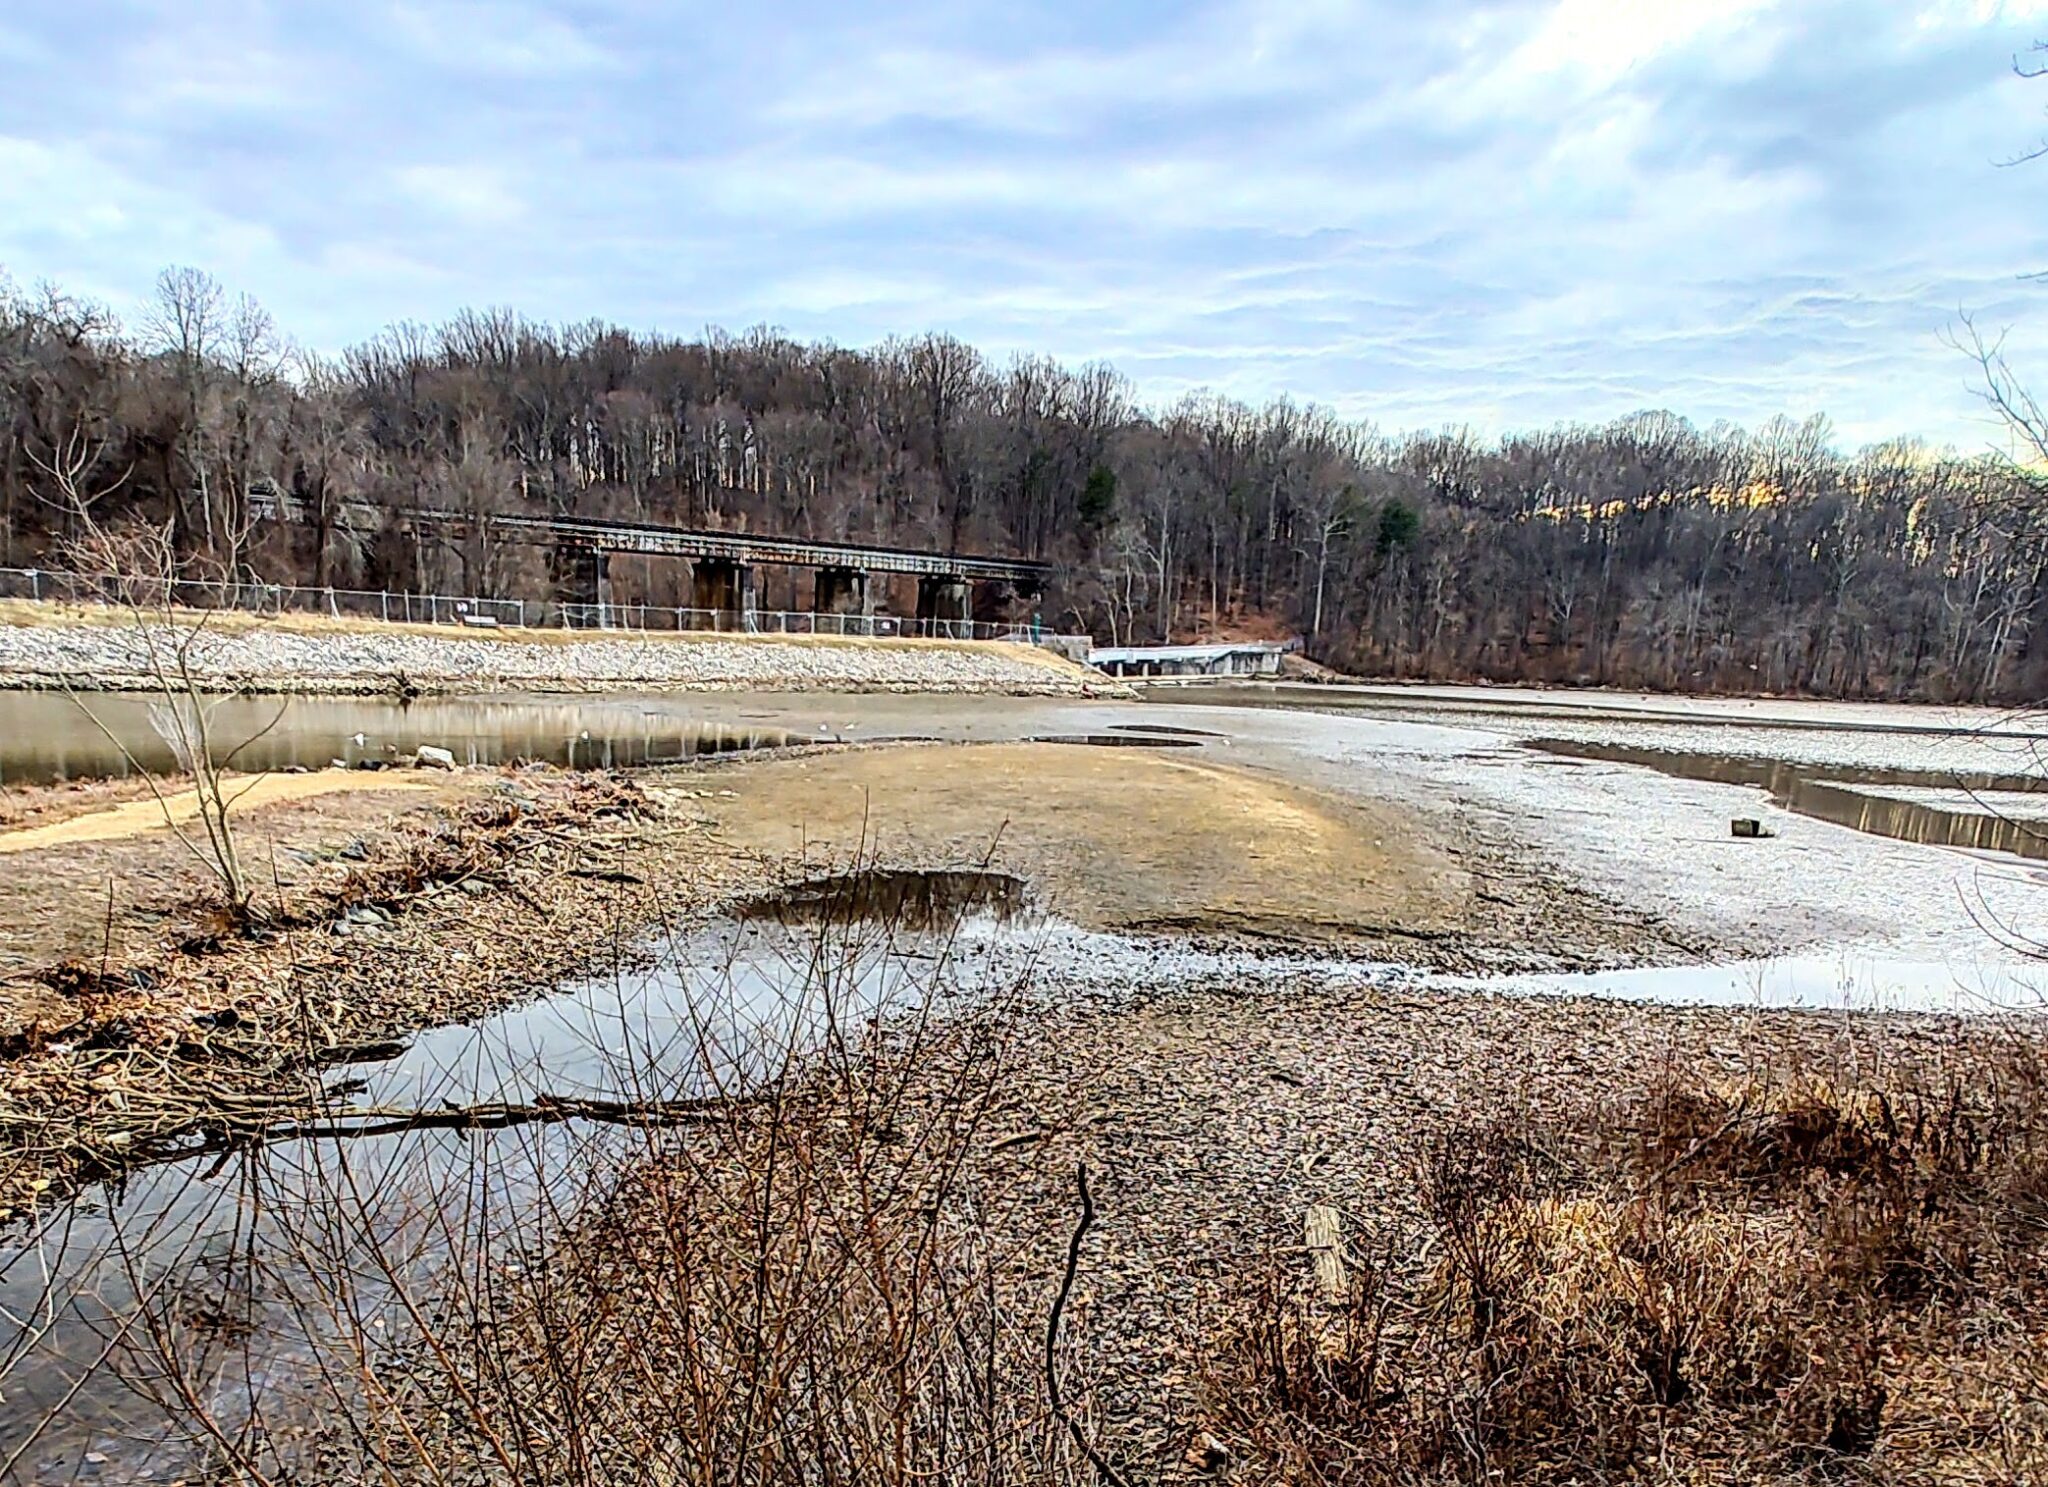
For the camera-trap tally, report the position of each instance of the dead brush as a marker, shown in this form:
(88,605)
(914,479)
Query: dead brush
(814,1283)
(1311,1391)
(1917,1190)
(481,838)
(1787,1279)
(1621,1329)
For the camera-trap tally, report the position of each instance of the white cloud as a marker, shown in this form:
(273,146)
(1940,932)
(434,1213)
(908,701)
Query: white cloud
(496,36)
(1604,39)
(1938,13)
(477,195)
(1514,209)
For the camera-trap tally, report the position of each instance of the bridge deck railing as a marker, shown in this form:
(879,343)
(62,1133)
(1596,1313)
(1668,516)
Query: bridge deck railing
(788,622)
(401,607)
(393,605)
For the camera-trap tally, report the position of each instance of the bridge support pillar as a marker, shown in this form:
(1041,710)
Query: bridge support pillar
(944,603)
(582,584)
(1002,602)
(843,591)
(726,588)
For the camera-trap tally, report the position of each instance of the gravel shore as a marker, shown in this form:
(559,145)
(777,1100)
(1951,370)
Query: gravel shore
(109,657)
(1212,1115)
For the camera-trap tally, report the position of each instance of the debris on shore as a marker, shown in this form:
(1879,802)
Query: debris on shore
(220,1034)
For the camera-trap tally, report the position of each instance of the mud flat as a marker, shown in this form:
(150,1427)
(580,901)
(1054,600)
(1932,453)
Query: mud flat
(1284,964)
(413,899)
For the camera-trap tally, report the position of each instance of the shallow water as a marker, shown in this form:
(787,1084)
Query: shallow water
(236,1253)
(1943,808)
(47,736)
(1831,981)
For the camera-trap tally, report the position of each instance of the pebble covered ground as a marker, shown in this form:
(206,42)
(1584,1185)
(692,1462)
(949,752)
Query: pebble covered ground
(1212,1115)
(279,660)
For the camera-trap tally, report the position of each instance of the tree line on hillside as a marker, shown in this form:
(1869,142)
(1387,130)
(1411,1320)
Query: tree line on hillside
(1644,552)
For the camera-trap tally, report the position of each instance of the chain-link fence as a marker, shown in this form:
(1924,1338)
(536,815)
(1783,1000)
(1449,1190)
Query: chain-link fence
(786,622)
(445,609)
(273,598)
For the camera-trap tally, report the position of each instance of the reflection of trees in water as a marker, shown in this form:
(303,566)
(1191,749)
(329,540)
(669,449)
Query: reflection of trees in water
(432,1299)
(43,737)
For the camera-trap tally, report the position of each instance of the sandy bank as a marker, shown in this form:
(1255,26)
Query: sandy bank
(177,807)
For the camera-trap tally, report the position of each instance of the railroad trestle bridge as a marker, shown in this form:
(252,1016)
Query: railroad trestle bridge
(722,564)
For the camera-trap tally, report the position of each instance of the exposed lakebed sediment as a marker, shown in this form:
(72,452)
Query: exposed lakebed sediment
(1197,941)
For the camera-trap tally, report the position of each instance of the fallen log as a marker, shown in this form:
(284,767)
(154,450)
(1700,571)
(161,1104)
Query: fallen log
(494,1116)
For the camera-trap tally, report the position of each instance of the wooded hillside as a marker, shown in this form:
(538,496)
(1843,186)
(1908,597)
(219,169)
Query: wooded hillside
(1644,552)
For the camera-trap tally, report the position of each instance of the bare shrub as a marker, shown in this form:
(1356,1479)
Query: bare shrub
(169,644)
(814,1283)
(1778,1281)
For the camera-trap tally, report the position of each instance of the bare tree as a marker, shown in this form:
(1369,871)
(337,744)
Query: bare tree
(2017,409)
(143,575)
(1329,512)
(1655,553)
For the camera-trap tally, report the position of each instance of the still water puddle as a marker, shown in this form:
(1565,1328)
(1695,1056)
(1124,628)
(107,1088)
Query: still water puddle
(914,899)
(1834,981)
(46,736)
(222,1247)
(1118,740)
(725,1006)
(1980,812)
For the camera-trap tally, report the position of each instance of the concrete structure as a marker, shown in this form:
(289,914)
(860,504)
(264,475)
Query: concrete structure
(1226,659)
(944,598)
(725,588)
(842,591)
(580,575)
(722,563)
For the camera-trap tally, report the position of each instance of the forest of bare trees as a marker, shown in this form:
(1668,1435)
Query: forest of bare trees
(1645,552)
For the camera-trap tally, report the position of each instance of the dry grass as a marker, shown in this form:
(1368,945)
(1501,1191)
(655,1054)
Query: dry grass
(1786,1281)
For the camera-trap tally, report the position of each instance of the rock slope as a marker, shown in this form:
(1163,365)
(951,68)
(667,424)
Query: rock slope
(345,660)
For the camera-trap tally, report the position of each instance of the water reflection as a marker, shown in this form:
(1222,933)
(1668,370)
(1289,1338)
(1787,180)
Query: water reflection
(48,736)
(1983,812)
(244,1263)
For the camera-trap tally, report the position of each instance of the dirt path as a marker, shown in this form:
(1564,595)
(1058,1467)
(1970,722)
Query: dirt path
(246,796)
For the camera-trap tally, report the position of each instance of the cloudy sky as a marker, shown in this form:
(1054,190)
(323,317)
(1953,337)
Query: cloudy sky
(1498,212)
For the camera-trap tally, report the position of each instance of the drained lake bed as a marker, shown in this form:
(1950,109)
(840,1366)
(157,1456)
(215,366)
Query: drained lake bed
(1291,899)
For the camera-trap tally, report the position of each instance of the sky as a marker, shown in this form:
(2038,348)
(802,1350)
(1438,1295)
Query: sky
(1495,213)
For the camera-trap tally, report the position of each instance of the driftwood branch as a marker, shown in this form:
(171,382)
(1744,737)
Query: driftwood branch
(1052,1339)
(494,1116)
